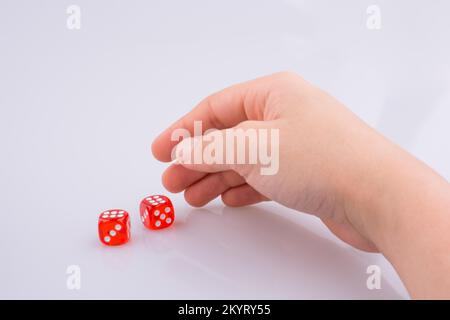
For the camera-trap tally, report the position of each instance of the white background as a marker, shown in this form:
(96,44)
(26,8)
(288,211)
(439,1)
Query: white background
(79,109)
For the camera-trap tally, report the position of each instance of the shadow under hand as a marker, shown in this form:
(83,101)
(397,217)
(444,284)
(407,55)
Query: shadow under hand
(253,253)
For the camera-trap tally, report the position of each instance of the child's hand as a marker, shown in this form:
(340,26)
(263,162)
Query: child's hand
(331,164)
(322,152)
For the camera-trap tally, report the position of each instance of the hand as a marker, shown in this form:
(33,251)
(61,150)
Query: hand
(321,151)
(331,164)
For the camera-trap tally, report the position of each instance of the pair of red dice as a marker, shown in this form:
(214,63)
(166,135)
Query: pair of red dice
(114,225)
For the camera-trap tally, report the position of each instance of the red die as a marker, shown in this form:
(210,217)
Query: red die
(157,212)
(114,227)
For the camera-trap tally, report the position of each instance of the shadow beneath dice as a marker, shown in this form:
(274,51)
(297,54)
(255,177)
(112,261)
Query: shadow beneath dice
(253,253)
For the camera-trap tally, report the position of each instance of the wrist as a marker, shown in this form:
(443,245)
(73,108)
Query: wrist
(404,209)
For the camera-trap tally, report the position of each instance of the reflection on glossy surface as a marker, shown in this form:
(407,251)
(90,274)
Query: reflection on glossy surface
(252,252)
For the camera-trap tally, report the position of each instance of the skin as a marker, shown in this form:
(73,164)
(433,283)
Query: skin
(368,191)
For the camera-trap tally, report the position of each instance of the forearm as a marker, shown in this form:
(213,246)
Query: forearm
(415,236)
(406,213)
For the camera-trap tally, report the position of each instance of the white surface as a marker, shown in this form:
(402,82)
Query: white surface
(79,109)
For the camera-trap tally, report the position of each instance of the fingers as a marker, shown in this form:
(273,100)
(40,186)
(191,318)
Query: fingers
(205,180)
(222,150)
(201,188)
(243,195)
(225,109)
(177,178)
(211,186)
(190,154)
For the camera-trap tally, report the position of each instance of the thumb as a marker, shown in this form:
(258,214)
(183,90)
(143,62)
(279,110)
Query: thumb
(236,148)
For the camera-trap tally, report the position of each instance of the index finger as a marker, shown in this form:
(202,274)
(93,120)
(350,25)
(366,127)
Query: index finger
(224,109)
